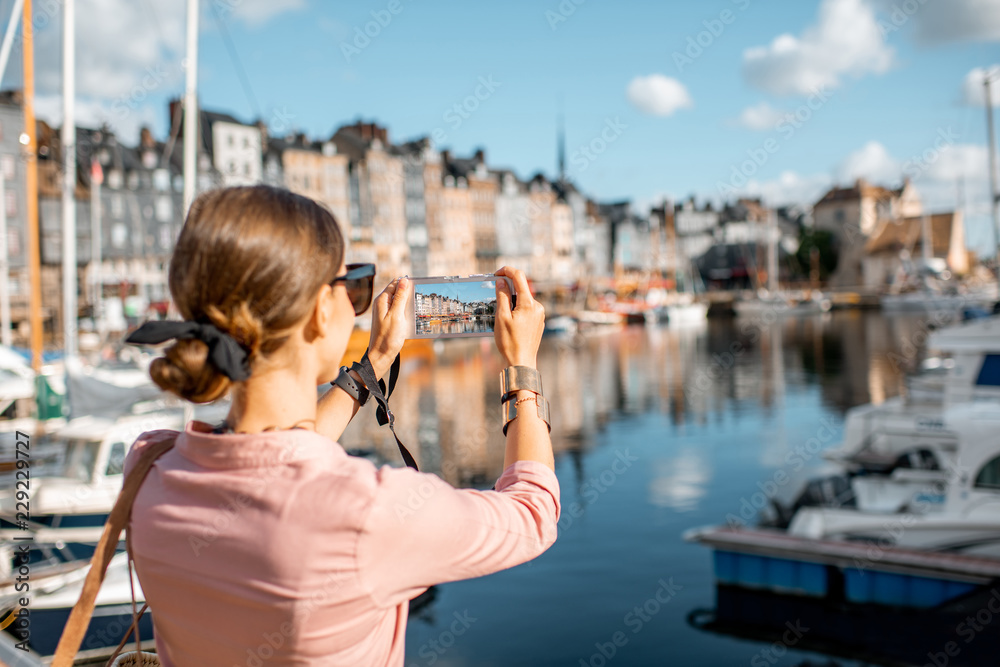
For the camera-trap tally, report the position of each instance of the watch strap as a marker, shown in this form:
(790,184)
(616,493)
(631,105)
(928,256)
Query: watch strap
(347,383)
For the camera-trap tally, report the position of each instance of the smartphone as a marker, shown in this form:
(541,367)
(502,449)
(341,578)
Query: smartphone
(455,307)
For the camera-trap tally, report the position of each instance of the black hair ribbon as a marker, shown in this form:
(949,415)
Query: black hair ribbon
(224,351)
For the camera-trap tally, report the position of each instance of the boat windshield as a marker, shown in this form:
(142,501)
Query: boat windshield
(80,458)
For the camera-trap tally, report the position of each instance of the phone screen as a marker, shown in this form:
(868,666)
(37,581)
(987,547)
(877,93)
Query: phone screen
(456,307)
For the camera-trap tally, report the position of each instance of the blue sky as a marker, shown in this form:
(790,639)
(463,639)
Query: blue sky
(891,74)
(464,292)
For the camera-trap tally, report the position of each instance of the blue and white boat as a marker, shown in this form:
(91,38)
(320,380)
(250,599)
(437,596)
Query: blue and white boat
(899,559)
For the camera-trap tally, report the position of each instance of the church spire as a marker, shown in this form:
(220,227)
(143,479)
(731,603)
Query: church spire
(561,143)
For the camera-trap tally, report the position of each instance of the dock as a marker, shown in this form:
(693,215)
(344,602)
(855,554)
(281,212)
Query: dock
(858,573)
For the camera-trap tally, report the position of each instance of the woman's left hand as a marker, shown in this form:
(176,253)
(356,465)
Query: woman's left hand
(389,325)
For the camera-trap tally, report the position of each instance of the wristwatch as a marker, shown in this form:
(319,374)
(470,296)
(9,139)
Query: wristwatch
(347,383)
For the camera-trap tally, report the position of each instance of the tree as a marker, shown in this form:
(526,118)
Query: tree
(825,243)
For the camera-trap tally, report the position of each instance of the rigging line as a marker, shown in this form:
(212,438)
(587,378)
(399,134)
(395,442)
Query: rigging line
(237,62)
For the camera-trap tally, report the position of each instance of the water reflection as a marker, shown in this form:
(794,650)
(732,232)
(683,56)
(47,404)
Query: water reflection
(456,325)
(447,401)
(679,483)
(702,416)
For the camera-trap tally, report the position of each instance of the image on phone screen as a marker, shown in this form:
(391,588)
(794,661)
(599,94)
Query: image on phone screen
(454,307)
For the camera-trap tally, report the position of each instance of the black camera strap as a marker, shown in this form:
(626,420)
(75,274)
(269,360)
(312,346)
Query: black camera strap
(378,390)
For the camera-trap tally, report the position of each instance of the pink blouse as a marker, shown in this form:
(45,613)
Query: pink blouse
(280,549)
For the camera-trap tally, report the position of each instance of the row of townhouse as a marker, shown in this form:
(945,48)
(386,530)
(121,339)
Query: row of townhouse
(412,209)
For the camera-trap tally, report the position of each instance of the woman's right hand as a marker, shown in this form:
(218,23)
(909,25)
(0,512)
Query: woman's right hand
(518,332)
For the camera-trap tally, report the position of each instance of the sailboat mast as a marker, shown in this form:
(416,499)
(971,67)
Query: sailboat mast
(31,190)
(69,278)
(994,197)
(191,106)
(772,251)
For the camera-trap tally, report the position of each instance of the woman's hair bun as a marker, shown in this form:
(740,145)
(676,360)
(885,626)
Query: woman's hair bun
(186,371)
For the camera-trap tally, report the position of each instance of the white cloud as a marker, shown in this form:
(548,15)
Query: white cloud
(846,40)
(258,12)
(958,170)
(762,117)
(871,162)
(946,176)
(94,113)
(973,90)
(128,54)
(789,188)
(658,95)
(938,22)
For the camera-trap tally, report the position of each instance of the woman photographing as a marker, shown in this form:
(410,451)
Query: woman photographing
(259,540)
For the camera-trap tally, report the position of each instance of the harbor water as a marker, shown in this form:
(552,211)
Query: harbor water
(657,430)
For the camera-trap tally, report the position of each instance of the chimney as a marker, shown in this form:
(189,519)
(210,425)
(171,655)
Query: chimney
(146,140)
(480,156)
(262,128)
(445,156)
(176,116)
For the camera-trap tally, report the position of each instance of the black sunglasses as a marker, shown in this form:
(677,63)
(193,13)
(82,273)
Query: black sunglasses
(360,283)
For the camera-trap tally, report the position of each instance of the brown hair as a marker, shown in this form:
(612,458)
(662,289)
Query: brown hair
(250,260)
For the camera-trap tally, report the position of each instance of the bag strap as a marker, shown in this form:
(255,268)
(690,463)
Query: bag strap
(79,618)
(377,389)
(135,625)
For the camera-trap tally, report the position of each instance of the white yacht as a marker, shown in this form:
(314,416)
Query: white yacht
(783,303)
(968,518)
(76,475)
(909,432)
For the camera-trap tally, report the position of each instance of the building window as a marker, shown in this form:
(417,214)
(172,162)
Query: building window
(119,234)
(13,242)
(117,206)
(164,209)
(161,180)
(8,167)
(11,204)
(165,237)
(114,179)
